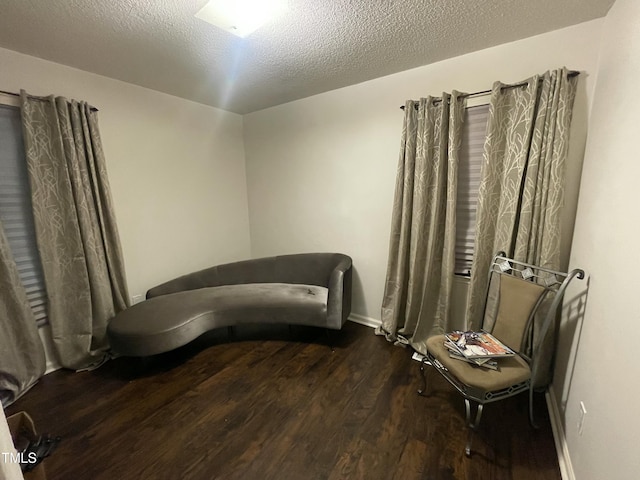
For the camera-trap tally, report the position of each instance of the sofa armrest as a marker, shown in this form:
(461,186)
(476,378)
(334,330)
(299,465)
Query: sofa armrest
(339,299)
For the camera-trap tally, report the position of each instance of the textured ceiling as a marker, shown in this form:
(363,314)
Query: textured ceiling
(319,45)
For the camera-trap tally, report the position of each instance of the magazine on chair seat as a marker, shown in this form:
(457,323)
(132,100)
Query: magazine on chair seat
(477,345)
(486,362)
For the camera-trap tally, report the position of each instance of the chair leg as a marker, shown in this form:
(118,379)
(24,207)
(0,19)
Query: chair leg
(423,376)
(471,425)
(532,420)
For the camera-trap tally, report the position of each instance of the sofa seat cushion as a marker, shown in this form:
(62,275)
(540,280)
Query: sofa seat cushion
(169,321)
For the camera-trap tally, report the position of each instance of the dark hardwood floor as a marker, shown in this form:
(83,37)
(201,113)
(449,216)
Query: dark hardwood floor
(274,404)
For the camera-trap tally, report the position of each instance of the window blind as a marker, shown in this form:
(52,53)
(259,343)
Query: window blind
(16,213)
(469,170)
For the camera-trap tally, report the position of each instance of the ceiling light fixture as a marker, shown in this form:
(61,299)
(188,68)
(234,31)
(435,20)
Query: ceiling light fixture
(241,17)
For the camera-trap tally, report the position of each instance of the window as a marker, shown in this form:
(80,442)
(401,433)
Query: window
(470,164)
(16,213)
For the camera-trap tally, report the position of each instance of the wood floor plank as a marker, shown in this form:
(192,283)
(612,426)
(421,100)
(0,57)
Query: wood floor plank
(411,465)
(270,404)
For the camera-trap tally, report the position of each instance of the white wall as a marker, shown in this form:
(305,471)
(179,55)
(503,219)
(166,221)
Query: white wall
(176,169)
(607,230)
(321,170)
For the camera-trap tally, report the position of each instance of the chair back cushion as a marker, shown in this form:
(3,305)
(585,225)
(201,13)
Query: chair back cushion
(517,300)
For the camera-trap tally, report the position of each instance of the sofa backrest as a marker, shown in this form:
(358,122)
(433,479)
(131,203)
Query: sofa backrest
(303,268)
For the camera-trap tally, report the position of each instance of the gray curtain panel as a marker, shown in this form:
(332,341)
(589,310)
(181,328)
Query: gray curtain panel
(522,187)
(421,251)
(75,226)
(22,360)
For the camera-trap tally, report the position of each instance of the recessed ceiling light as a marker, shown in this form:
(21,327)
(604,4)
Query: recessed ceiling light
(241,17)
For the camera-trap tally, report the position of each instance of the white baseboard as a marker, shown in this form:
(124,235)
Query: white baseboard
(362,320)
(562,449)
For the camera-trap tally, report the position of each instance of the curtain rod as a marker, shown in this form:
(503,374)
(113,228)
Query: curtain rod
(42,99)
(572,73)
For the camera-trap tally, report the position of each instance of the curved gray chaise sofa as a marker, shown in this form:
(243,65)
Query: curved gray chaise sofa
(305,289)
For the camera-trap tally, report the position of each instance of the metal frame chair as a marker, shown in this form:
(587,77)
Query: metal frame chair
(518,295)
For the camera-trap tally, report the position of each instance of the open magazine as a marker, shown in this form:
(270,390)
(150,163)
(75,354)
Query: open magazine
(477,345)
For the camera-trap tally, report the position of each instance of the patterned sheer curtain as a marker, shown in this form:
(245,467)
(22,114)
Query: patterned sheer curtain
(522,187)
(421,251)
(22,360)
(75,226)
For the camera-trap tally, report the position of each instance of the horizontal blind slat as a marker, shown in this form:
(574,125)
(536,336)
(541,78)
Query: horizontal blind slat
(16,214)
(469,177)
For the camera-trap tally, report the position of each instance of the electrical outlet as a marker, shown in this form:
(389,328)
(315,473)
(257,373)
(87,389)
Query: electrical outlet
(582,414)
(137,299)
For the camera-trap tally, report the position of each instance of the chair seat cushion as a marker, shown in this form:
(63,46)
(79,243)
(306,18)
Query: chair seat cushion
(511,370)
